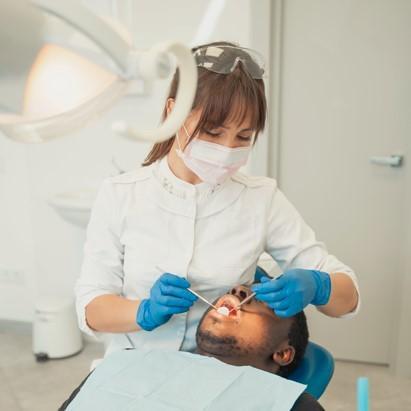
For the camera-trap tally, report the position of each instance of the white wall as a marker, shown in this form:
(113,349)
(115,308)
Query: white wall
(16,233)
(33,238)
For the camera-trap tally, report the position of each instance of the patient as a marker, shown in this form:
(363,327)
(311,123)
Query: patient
(252,336)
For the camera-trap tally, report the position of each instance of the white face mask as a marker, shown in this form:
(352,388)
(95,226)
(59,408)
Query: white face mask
(212,162)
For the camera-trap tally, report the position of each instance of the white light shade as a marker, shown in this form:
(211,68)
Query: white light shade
(61,80)
(64,90)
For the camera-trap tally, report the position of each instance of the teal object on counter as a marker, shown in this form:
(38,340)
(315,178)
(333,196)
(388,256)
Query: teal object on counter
(362,394)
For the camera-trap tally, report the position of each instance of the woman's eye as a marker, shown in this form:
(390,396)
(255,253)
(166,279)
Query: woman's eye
(213,133)
(243,138)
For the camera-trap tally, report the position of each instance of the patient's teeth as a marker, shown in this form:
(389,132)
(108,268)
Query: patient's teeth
(223,311)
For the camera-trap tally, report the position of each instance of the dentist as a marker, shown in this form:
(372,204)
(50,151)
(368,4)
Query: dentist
(189,218)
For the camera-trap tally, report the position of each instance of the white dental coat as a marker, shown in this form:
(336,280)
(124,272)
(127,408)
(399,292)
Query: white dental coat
(147,221)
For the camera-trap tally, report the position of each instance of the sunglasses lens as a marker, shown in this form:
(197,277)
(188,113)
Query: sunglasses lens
(224,60)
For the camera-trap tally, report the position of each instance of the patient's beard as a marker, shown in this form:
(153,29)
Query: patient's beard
(229,350)
(232,350)
(213,345)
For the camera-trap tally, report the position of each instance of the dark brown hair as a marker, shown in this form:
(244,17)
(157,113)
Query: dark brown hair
(221,98)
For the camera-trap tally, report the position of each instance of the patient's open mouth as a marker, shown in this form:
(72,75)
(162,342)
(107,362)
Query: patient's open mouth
(227,306)
(231,309)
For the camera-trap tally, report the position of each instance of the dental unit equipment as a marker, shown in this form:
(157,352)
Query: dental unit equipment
(66,39)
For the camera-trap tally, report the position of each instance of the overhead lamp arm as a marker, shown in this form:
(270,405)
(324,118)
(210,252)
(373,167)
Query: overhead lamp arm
(148,65)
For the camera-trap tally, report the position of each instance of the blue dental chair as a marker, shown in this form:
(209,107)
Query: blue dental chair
(317,366)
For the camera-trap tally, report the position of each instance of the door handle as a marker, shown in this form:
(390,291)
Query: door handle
(392,161)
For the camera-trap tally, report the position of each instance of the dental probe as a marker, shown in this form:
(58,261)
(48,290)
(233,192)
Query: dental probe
(202,298)
(246,299)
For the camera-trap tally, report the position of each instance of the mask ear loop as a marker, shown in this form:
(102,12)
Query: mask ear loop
(178,141)
(179,150)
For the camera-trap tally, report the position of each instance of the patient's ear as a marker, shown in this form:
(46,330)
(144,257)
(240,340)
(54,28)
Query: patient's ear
(284,354)
(169,105)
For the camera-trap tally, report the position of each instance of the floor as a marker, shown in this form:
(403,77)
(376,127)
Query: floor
(27,385)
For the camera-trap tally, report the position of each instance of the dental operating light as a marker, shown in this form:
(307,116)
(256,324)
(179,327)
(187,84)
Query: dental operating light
(49,88)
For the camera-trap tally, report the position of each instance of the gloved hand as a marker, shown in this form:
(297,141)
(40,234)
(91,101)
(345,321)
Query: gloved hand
(168,296)
(292,291)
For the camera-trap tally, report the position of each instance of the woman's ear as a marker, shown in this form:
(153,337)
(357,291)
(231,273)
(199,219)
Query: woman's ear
(284,355)
(169,105)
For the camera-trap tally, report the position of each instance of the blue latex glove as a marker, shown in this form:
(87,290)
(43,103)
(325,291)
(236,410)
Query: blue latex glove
(168,296)
(292,291)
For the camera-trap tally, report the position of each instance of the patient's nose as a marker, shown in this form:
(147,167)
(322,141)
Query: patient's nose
(241,292)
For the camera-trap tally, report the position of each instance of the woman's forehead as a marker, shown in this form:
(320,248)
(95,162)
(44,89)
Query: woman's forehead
(237,120)
(244,125)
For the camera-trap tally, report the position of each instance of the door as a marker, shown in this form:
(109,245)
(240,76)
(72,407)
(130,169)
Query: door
(346,97)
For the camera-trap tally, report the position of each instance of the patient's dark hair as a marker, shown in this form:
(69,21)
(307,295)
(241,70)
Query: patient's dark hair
(297,338)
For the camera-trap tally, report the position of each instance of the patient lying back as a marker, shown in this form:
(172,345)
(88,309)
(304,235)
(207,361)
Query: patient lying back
(252,336)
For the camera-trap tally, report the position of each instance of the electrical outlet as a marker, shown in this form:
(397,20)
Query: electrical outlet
(11,276)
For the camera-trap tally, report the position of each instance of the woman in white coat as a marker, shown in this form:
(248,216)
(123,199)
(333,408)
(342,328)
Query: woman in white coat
(188,218)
